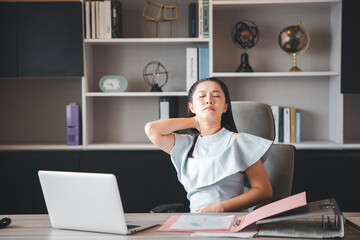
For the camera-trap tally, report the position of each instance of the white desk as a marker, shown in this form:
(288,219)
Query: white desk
(38,227)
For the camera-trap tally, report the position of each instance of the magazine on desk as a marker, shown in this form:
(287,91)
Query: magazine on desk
(288,217)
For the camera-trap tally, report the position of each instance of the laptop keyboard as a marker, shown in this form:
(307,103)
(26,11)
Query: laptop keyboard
(132,226)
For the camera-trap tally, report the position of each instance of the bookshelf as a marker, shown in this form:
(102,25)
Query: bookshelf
(107,116)
(115,121)
(315,92)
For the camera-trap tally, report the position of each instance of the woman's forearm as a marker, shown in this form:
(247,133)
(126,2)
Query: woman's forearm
(167,126)
(246,200)
(160,131)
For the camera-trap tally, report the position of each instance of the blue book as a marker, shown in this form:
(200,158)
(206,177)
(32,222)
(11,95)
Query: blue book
(298,127)
(281,124)
(193,20)
(203,63)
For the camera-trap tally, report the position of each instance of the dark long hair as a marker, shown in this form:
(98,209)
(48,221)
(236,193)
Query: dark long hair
(227,119)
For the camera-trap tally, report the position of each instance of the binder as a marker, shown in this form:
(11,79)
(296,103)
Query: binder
(319,219)
(73,127)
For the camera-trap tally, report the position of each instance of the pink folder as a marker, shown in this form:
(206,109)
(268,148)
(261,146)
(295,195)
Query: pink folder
(241,222)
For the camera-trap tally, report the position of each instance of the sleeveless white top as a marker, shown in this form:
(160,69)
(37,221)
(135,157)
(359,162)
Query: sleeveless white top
(215,171)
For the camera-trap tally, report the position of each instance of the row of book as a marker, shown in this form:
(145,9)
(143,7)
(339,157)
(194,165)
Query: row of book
(287,124)
(103,19)
(197,65)
(199,19)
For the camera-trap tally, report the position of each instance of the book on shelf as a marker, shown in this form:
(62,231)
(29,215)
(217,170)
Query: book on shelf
(93,18)
(298,127)
(281,124)
(87,19)
(275,111)
(203,63)
(201,18)
(191,67)
(286,125)
(206,19)
(116,19)
(103,19)
(192,20)
(287,121)
(292,125)
(97,17)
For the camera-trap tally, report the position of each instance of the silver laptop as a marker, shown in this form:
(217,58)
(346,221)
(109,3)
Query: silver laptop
(85,201)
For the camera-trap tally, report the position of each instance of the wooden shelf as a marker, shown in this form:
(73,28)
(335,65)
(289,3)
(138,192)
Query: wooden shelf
(145,40)
(276,74)
(268,2)
(43,147)
(135,94)
(119,146)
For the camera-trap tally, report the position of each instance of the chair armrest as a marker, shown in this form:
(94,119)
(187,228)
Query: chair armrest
(170,208)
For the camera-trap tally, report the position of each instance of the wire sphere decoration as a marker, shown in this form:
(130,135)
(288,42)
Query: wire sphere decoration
(155,75)
(245,34)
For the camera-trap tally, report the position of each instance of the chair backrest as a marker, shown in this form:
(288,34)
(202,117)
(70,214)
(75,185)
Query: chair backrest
(256,118)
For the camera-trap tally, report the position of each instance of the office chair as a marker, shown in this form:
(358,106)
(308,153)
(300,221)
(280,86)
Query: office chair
(257,119)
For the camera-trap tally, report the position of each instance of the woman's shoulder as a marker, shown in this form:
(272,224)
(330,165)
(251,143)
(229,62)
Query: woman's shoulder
(247,139)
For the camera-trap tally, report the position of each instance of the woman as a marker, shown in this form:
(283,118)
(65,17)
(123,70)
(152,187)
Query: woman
(211,163)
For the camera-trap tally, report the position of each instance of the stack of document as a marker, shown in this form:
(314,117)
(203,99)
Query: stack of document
(288,217)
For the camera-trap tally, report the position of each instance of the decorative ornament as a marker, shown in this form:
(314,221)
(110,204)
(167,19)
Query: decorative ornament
(294,40)
(155,75)
(113,83)
(245,34)
(160,12)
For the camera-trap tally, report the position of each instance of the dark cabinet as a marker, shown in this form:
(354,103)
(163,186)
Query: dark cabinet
(350,82)
(130,171)
(329,174)
(20,186)
(44,39)
(8,40)
(146,179)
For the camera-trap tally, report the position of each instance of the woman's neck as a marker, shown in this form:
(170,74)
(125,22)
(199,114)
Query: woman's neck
(209,129)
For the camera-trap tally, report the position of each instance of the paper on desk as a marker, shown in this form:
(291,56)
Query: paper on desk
(248,232)
(203,222)
(300,228)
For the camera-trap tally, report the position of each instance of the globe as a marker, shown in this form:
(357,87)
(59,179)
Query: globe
(294,40)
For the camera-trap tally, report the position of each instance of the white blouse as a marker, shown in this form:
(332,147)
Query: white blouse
(215,171)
